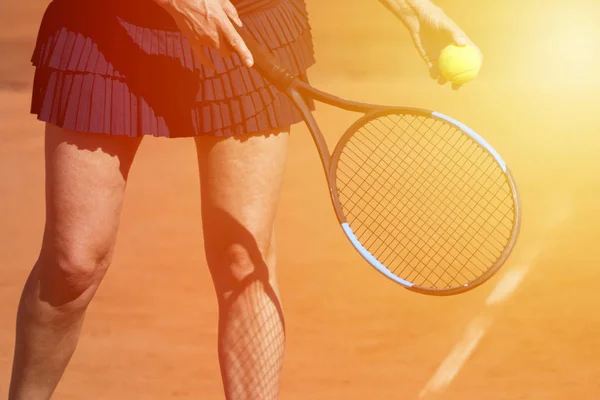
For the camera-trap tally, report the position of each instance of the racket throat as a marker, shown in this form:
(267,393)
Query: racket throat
(322,148)
(315,132)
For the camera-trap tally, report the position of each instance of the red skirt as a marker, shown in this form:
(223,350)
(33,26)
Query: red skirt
(122,68)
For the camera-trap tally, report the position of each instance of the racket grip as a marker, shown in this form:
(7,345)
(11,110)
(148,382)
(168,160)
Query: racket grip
(266,63)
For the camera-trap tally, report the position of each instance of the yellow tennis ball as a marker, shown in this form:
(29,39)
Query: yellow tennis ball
(459,64)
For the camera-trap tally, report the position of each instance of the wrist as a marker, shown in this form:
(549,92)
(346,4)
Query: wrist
(400,8)
(422,7)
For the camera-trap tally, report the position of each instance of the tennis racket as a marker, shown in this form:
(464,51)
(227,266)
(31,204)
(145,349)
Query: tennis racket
(422,197)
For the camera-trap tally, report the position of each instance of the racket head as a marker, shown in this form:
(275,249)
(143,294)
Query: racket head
(425,200)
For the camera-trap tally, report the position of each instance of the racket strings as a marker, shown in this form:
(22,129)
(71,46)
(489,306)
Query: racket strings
(385,260)
(425,199)
(421,238)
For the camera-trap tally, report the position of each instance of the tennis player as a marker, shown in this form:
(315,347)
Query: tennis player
(109,73)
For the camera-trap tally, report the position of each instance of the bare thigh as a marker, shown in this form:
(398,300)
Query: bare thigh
(240,182)
(86,175)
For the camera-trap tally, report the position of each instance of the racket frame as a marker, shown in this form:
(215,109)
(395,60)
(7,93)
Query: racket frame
(296,89)
(492,270)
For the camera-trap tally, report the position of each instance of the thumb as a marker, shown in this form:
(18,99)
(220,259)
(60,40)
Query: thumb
(459,39)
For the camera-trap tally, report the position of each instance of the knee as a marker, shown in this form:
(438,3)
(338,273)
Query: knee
(242,261)
(237,263)
(72,274)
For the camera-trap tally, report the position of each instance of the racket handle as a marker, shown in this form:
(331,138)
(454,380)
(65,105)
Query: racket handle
(266,63)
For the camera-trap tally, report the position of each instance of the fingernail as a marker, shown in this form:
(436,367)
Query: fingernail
(249,62)
(239,22)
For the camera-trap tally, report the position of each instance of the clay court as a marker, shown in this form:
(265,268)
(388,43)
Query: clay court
(352,334)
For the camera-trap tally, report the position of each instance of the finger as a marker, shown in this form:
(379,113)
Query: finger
(421,49)
(198,45)
(237,44)
(232,13)
(459,38)
(434,73)
(202,57)
(225,49)
(208,36)
(441,80)
(456,86)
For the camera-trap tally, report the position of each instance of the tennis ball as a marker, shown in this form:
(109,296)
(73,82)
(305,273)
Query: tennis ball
(459,64)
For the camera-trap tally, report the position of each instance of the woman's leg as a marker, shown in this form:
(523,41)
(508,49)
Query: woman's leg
(240,181)
(86,176)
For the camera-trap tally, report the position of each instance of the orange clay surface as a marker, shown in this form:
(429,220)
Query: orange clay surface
(352,334)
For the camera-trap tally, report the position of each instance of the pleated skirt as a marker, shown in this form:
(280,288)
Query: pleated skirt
(121,67)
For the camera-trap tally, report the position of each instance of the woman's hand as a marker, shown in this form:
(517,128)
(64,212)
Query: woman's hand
(208,23)
(431,30)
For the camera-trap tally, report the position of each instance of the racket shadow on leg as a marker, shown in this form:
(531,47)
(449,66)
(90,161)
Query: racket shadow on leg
(251,323)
